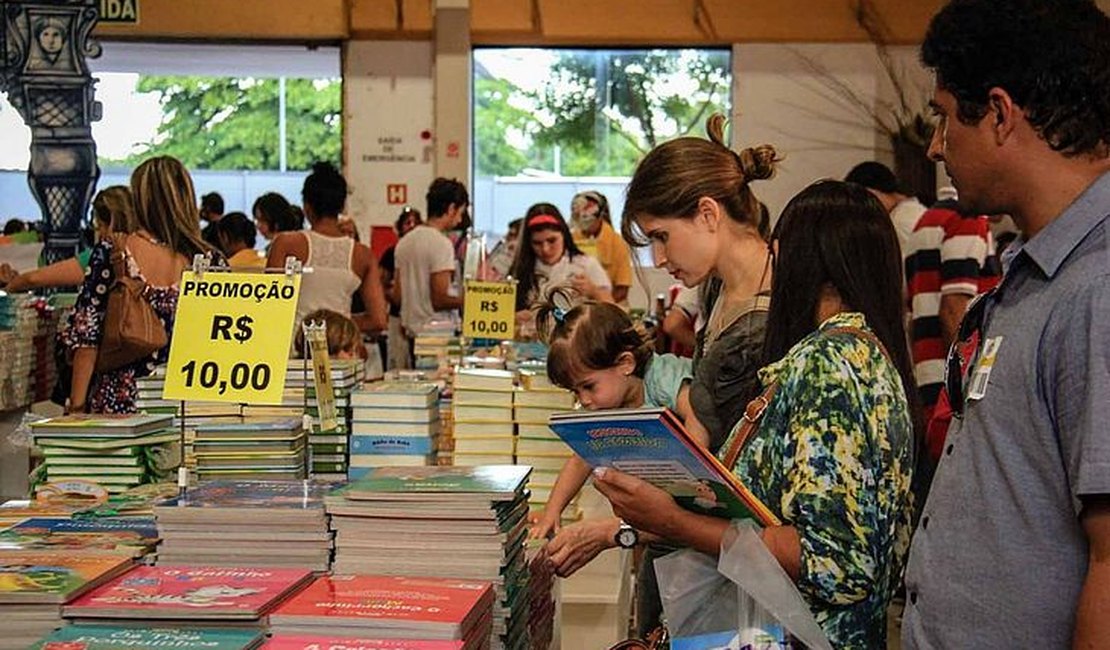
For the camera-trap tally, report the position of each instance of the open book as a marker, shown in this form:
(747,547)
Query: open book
(653,445)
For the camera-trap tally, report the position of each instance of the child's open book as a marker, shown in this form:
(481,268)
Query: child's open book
(653,445)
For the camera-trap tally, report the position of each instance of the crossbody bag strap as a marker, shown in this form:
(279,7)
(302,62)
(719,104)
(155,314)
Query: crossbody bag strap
(749,422)
(753,413)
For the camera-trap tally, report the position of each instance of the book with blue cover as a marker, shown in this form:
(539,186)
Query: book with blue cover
(652,444)
(110,637)
(132,536)
(392,445)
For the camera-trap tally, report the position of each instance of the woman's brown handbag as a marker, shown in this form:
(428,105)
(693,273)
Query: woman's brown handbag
(132,329)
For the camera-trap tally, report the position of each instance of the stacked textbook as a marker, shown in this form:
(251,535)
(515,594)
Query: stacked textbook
(467,523)
(537,445)
(483,404)
(36,585)
(251,523)
(335,610)
(251,448)
(329,447)
(117,451)
(393,423)
(18,327)
(111,637)
(194,596)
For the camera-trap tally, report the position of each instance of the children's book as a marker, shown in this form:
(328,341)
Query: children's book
(108,637)
(484,379)
(101,425)
(127,536)
(189,592)
(442,608)
(160,436)
(487,483)
(301,642)
(653,445)
(246,497)
(422,445)
(54,577)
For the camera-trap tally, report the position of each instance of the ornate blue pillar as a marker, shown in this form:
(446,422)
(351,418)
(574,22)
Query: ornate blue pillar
(43,47)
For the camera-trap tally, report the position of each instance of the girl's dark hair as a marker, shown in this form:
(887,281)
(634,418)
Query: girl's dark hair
(325,190)
(236,226)
(674,176)
(524,265)
(277,212)
(836,233)
(591,336)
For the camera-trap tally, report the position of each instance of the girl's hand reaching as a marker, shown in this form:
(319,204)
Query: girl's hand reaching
(543,526)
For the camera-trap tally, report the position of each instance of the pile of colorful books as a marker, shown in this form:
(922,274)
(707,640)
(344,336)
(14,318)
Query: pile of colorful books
(247,523)
(393,423)
(35,586)
(251,448)
(466,523)
(112,637)
(127,536)
(116,451)
(18,327)
(341,611)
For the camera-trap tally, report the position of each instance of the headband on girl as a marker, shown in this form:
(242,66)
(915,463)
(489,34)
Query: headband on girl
(543,219)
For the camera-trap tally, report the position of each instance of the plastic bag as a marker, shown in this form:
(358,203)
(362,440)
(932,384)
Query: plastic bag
(742,600)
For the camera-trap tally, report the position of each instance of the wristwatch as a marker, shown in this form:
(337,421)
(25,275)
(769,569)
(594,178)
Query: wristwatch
(626,536)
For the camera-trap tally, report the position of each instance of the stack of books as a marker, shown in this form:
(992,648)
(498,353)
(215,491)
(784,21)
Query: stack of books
(541,590)
(337,609)
(36,585)
(483,403)
(247,523)
(116,451)
(329,448)
(311,642)
(393,423)
(111,637)
(467,523)
(436,348)
(45,373)
(18,326)
(129,536)
(252,448)
(537,445)
(195,596)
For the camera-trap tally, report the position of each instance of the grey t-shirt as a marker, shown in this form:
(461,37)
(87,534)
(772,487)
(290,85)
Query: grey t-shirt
(999,556)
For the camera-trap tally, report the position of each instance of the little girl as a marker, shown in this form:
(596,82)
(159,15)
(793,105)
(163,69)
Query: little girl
(597,352)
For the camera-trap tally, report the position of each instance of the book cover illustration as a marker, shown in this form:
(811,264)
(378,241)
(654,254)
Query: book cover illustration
(107,637)
(388,598)
(304,495)
(652,445)
(151,591)
(392,445)
(500,480)
(131,536)
(298,642)
(52,577)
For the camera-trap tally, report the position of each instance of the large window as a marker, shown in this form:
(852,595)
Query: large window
(551,122)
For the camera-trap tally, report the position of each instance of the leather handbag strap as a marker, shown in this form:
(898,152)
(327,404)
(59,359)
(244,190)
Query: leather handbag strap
(753,413)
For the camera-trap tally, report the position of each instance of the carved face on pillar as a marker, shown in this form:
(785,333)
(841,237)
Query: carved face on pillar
(50,42)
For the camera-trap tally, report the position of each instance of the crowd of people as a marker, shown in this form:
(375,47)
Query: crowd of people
(930,413)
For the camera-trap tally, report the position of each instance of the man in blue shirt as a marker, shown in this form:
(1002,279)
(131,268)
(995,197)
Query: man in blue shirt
(1013,546)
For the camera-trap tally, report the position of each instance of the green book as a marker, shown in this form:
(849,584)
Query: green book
(110,637)
(483,483)
(82,425)
(87,442)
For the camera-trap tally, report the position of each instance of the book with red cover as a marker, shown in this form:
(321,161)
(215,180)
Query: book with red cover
(392,606)
(197,592)
(299,642)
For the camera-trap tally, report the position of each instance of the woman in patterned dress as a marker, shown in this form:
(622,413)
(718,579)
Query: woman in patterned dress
(832,456)
(164,243)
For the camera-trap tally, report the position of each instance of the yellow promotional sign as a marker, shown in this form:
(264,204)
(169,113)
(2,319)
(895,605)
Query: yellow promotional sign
(489,310)
(231,337)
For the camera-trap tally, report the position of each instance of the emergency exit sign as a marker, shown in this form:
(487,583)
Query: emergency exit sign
(119,11)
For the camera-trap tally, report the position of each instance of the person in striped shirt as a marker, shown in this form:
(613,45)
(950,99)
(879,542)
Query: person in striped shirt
(950,259)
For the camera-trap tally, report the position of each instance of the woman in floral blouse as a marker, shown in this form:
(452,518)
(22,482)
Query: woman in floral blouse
(832,456)
(167,237)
